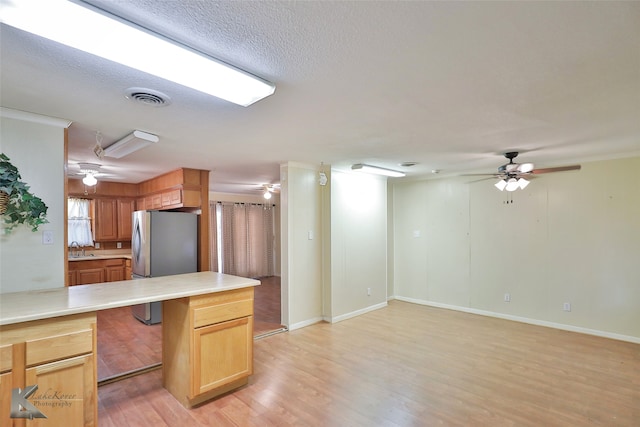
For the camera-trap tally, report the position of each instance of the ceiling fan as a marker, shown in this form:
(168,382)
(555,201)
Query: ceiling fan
(512,175)
(90,171)
(268,189)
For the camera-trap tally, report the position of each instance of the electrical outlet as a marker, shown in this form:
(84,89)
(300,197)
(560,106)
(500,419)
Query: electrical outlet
(566,306)
(507,297)
(119,245)
(97,245)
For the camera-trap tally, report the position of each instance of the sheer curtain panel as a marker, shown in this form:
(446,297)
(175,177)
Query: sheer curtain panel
(79,222)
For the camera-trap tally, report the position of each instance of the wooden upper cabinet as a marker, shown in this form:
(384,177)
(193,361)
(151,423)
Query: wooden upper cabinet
(126,207)
(171,197)
(113,219)
(106,221)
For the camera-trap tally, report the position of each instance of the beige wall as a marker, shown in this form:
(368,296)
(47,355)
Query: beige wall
(358,243)
(35,145)
(568,237)
(327,275)
(302,260)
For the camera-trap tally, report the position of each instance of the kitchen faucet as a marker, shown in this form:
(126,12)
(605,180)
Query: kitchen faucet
(76,245)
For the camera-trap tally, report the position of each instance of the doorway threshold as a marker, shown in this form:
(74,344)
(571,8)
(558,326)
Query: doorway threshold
(269,333)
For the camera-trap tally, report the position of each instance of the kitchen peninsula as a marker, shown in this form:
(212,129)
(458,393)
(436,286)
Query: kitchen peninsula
(48,339)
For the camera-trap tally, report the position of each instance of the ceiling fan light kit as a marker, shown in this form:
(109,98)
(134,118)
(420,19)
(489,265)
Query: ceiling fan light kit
(268,189)
(511,184)
(361,167)
(90,170)
(96,32)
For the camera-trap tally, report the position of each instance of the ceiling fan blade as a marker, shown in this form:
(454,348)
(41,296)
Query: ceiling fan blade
(558,169)
(482,179)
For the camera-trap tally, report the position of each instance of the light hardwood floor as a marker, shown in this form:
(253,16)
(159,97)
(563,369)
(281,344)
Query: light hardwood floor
(409,365)
(266,316)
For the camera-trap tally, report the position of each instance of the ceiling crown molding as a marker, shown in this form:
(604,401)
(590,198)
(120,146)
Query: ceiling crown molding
(34,118)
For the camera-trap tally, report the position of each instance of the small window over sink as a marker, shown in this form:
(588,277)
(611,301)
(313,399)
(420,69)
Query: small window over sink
(79,222)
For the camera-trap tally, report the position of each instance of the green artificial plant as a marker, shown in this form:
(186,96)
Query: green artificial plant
(22,207)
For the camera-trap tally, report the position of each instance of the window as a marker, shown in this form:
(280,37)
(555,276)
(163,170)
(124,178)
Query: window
(79,222)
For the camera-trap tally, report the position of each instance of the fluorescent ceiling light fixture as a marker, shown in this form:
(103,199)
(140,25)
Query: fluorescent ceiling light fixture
(376,170)
(112,38)
(130,143)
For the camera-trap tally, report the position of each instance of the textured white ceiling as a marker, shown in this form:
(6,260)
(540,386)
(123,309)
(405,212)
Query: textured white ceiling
(449,85)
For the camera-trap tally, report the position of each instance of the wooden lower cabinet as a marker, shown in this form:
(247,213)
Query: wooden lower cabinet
(223,354)
(90,275)
(114,273)
(58,356)
(99,271)
(207,344)
(127,269)
(72,277)
(6,385)
(66,391)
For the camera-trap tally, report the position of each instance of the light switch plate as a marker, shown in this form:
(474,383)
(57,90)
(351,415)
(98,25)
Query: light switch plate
(47,237)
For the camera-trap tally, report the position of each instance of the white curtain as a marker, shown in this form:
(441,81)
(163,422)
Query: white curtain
(79,221)
(246,239)
(213,241)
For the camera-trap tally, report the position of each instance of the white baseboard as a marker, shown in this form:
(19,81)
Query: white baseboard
(305,323)
(537,322)
(342,317)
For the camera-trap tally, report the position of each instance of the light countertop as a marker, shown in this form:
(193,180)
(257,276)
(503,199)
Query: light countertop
(19,307)
(98,257)
(101,254)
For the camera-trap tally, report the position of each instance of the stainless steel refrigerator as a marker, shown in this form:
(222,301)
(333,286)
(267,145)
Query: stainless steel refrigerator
(162,244)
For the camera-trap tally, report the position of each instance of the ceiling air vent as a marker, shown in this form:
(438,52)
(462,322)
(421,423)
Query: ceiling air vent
(149,97)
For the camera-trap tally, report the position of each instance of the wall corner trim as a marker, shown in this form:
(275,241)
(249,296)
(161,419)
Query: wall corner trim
(305,323)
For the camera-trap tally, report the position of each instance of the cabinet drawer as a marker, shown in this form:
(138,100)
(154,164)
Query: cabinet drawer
(59,346)
(204,316)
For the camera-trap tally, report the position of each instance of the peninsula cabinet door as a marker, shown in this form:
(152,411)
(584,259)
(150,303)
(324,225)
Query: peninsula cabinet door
(66,392)
(223,354)
(6,386)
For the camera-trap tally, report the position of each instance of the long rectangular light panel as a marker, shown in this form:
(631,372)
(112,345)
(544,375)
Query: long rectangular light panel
(377,170)
(110,38)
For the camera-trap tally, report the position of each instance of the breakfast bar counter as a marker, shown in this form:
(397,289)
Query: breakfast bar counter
(48,340)
(19,307)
